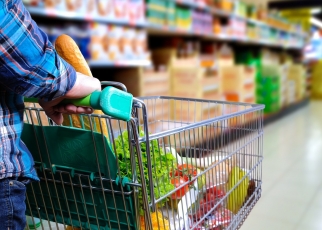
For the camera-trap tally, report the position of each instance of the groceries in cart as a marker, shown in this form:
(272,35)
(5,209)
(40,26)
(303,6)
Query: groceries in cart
(133,179)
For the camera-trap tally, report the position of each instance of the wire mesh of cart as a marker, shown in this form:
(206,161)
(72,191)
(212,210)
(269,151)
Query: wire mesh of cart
(177,164)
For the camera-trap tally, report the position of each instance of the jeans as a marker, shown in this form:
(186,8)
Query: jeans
(12,203)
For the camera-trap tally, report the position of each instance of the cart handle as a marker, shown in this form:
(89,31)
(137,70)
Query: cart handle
(113,102)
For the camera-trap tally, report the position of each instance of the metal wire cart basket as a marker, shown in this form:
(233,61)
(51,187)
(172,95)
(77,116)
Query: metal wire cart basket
(177,164)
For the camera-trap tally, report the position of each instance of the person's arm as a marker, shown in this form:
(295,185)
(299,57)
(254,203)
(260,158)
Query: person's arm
(29,64)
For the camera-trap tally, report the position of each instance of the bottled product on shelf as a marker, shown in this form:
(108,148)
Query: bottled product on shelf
(160,12)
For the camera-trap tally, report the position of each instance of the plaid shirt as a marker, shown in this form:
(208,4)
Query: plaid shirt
(29,66)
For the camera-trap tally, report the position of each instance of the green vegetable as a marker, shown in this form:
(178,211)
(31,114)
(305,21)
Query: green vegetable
(162,164)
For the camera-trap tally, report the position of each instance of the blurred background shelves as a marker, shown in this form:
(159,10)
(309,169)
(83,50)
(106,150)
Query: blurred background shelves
(78,16)
(228,12)
(210,49)
(168,31)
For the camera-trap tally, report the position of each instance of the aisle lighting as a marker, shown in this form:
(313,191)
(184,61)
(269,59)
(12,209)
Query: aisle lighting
(316,11)
(316,22)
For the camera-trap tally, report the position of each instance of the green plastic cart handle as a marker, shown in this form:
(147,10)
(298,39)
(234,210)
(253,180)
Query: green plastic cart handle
(113,102)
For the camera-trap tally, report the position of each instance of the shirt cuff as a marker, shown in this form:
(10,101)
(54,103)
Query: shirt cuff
(65,82)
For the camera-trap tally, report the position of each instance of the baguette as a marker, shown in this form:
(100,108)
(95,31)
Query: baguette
(67,48)
(69,51)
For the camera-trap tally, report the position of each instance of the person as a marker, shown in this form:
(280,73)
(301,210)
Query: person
(29,67)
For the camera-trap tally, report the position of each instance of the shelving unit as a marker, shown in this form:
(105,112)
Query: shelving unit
(53,13)
(221,13)
(170,31)
(278,39)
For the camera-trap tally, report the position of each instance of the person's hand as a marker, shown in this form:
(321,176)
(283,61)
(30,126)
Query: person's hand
(83,86)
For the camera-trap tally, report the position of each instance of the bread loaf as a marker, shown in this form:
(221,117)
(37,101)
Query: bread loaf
(67,48)
(69,51)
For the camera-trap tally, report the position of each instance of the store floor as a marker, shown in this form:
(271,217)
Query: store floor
(292,174)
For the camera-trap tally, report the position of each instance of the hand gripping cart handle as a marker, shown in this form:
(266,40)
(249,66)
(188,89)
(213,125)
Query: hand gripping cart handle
(117,104)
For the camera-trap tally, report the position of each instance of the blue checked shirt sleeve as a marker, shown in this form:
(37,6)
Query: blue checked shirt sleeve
(29,65)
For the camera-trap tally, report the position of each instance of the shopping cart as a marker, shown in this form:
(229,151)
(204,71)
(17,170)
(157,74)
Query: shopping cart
(177,164)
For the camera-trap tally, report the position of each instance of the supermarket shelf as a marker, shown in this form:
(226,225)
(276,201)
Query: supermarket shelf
(166,30)
(285,111)
(221,13)
(53,13)
(156,29)
(127,63)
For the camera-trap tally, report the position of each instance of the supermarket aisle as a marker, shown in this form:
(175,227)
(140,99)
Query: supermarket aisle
(292,174)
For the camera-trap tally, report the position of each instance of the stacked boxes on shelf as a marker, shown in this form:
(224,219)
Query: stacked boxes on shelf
(190,80)
(211,85)
(287,89)
(149,81)
(284,92)
(183,18)
(268,81)
(268,89)
(297,75)
(144,82)
(209,62)
(267,74)
(161,12)
(279,81)
(238,83)
(237,80)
